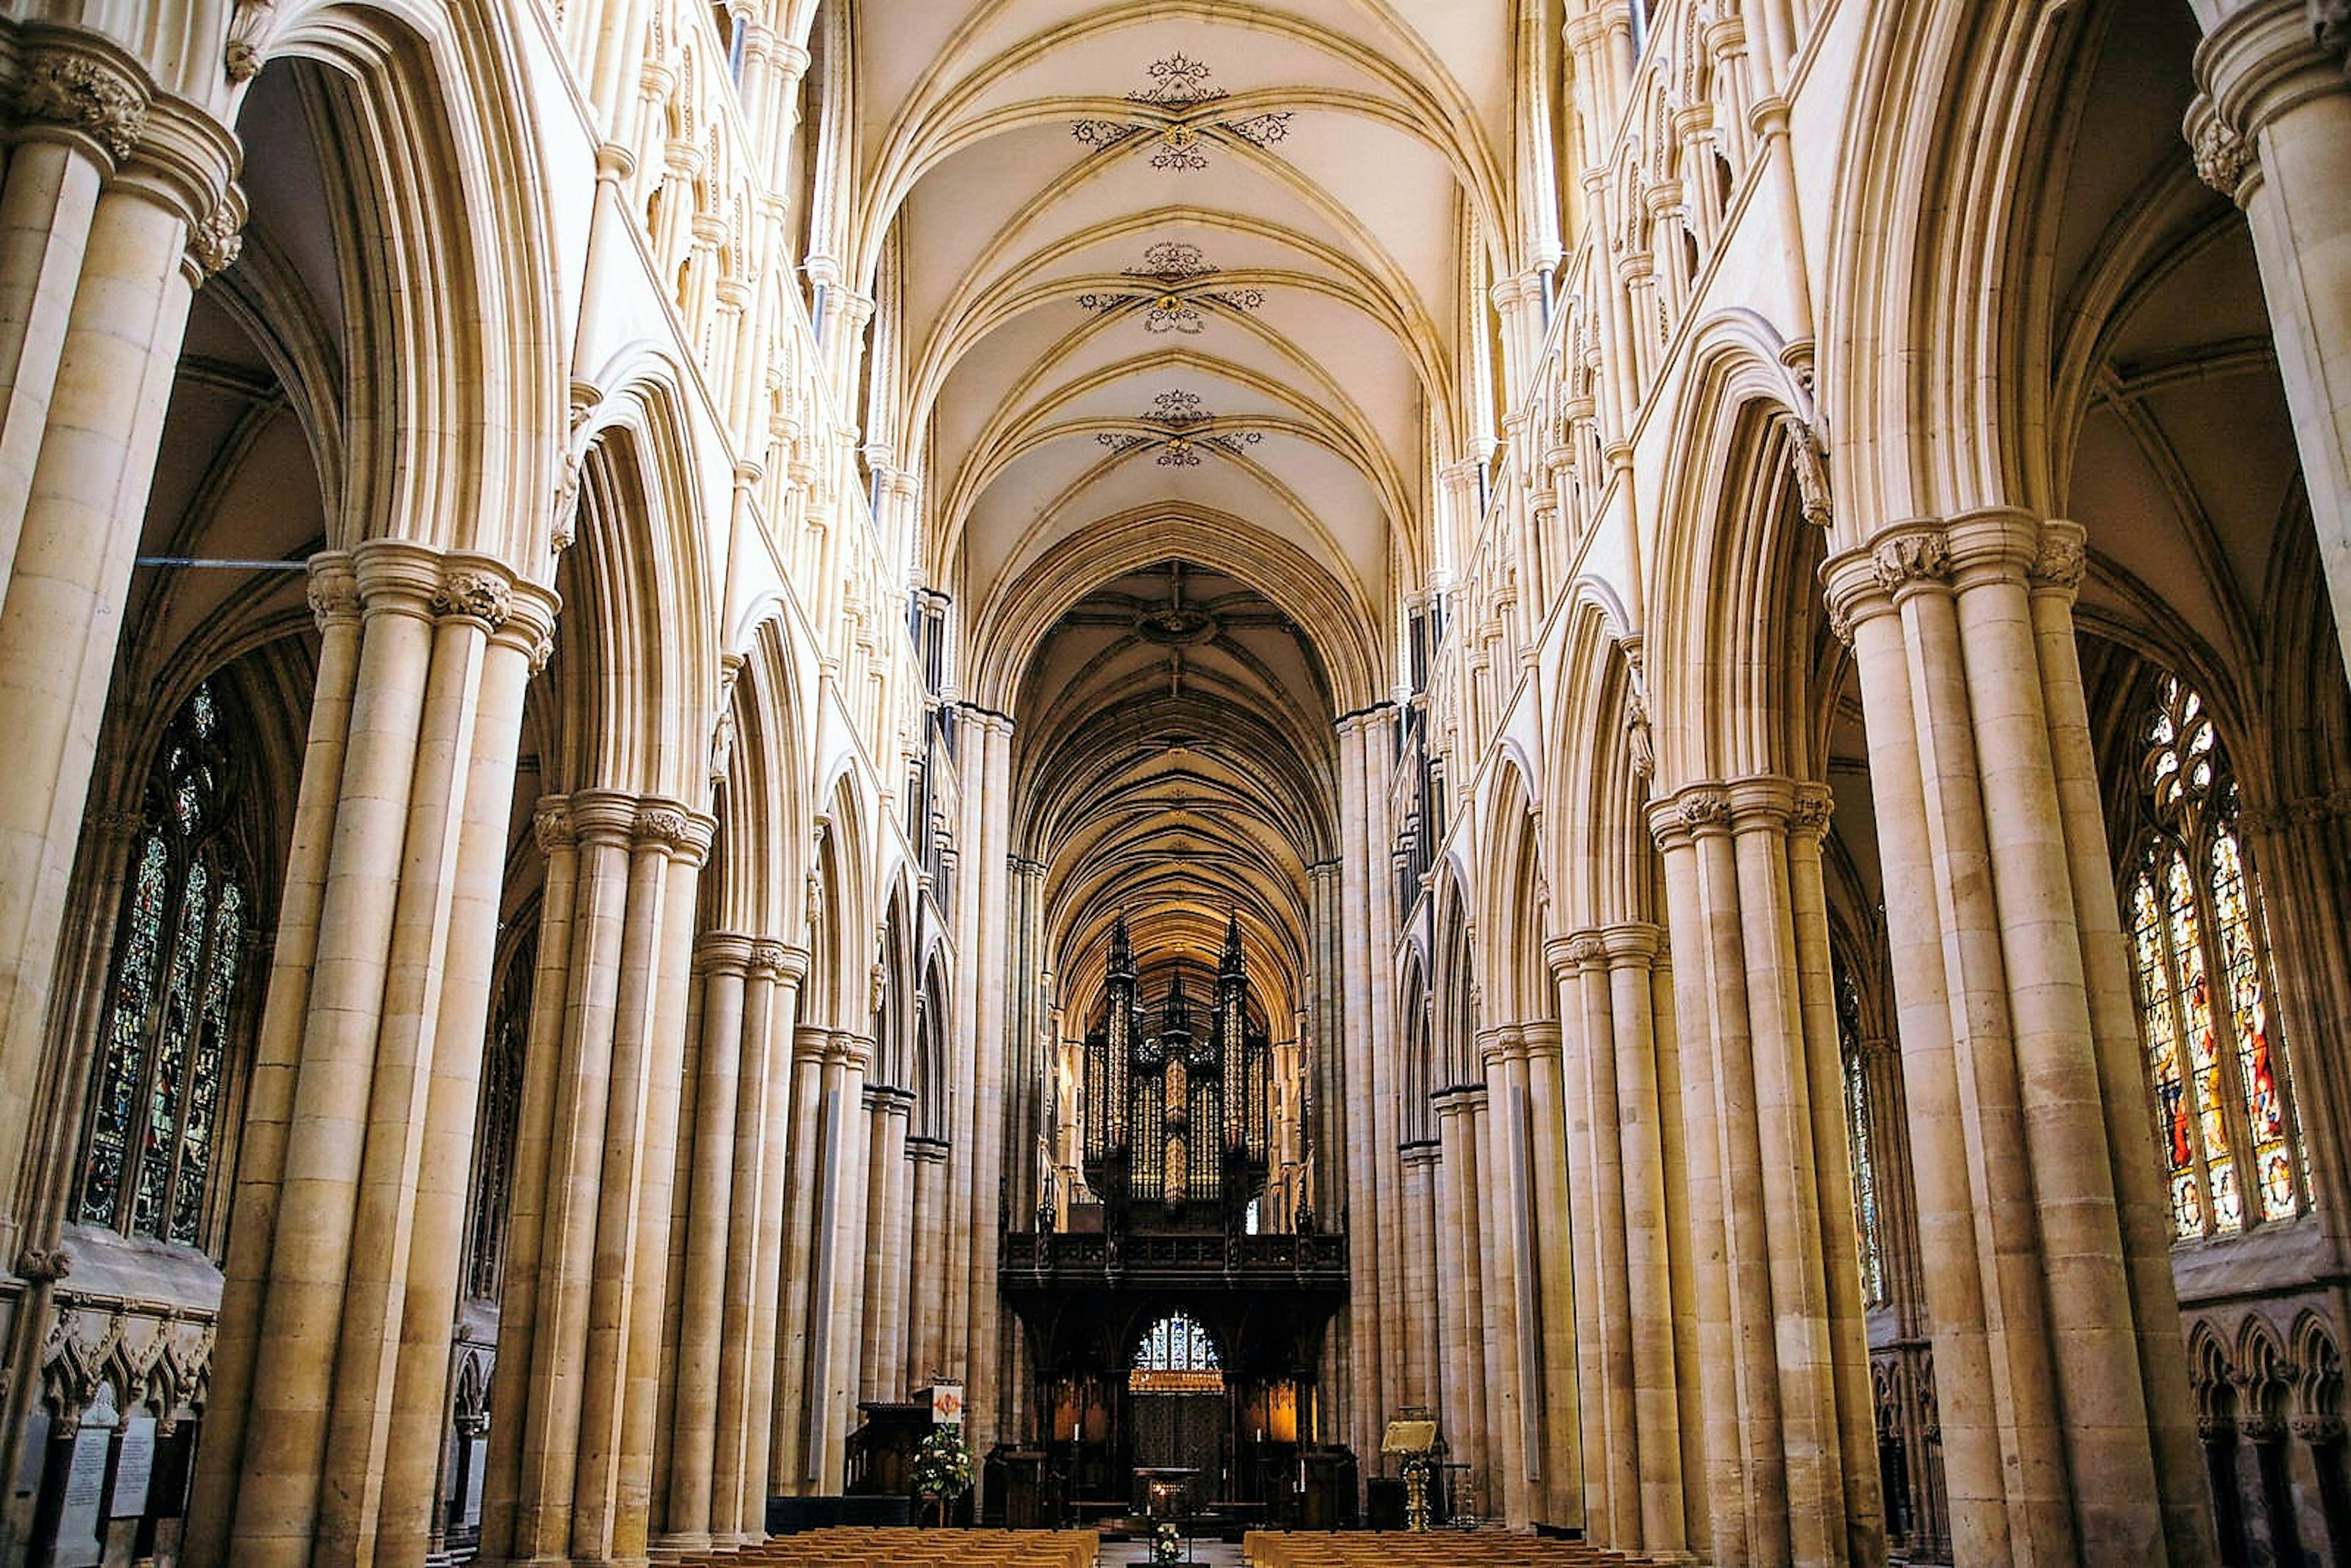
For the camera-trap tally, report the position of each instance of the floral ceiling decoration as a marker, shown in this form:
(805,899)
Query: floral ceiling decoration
(1180,426)
(1179,132)
(1173,305)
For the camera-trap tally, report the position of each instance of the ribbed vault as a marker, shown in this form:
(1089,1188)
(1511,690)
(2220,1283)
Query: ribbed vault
(1175,766)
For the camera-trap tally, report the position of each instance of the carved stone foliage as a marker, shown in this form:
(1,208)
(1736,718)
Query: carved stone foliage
(80,92)
(106,1354)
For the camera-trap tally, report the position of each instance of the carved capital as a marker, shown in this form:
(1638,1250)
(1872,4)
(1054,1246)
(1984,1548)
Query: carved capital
(2061,559)
(2223,155)
(550,823)
(1910,558)
(662,825)
(2319,1431)
(768,957)
(1810,811)
(75,90)
(1705,807)
(475,595)
(217,238)
(334,590)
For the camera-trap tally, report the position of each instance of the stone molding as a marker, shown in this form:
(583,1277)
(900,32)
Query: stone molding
(725,952)
(1632,944)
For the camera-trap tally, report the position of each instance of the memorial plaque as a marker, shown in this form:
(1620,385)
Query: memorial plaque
(134,1468)
(78,1542)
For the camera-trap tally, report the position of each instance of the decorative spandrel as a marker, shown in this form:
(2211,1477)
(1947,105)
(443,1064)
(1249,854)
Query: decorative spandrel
(1176,1108)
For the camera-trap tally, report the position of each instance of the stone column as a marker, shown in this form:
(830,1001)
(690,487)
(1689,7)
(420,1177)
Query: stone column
(74,481)
(2272,131)
(841,1266)
(269,1094)
(1362,1217)
(382,937)
(519,643)
(1548,1199)
(1631,950)
(991,979)
(755,1254)
(795,1389)
(1807,1244)
(1715,1286)
(724,963)
(582,1442)
(529,1276)
(2004,948)
(1423,1380)
(1617,1457)
(929,1156)
(1458,1254)
(884,1356)
(1511,1317)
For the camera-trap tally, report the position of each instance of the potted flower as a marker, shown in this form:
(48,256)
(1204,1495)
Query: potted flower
(1167,1543)
(942,1469)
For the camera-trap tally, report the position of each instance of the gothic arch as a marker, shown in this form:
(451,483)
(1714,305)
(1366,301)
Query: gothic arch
(1733,667)
(635,691)
(421,111)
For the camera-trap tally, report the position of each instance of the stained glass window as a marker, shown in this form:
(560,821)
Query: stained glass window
(1176,1342)
(1867,1227)
(2225,1128)
(498,1115)
(151,1144)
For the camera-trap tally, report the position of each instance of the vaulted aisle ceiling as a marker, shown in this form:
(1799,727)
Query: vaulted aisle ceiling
(1181,323)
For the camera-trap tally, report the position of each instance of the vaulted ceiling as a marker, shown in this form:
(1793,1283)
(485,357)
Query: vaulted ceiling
(1191,273)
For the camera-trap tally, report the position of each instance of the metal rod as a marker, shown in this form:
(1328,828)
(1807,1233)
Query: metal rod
(191,561)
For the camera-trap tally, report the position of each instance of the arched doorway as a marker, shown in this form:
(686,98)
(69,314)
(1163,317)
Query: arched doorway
(1176,1403)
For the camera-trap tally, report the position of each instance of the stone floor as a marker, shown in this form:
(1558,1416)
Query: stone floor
(1119,1553)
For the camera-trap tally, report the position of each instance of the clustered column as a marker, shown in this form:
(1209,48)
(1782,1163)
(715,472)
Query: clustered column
(2043,1239)
(573,1429)
(1634,1429)
(1791,1472)
(349,1212)
(117,204)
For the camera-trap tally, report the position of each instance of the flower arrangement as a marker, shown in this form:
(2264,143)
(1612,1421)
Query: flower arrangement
(942,1466)
(1168,1544)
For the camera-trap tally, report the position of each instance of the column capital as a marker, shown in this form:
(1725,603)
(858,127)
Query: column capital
(1498,1043)
(672,825)
(550,823)
(1631,944)
(925,1150)
(1419,1153)
(474,588)
(1689,812)
(2262,60)
(397,577)
(607,816)
(725,952)
(810,1042)
(787,962)
(334,588)
(83,91)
